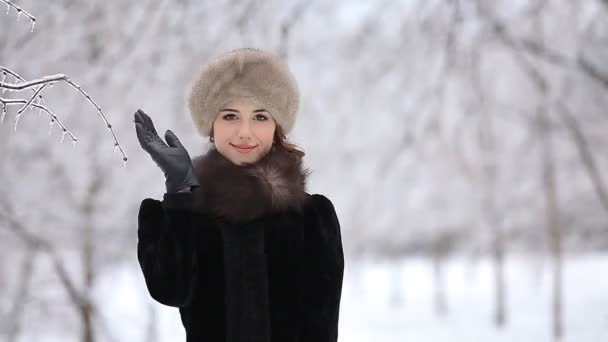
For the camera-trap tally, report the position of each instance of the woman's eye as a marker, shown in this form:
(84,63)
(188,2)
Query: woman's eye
(261,117)
(229,116)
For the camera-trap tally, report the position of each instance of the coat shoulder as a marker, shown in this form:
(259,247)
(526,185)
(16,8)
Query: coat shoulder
(324,207)
(325,221)
(319,198)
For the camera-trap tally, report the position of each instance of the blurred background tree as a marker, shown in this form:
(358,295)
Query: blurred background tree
(440,129)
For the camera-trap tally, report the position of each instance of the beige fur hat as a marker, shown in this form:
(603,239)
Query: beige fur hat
(249,73)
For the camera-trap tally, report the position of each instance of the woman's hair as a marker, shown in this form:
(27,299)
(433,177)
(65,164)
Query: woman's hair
(279,140)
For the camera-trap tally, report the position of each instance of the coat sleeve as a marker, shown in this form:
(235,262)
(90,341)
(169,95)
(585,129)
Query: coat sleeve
(325,273)
(166,248)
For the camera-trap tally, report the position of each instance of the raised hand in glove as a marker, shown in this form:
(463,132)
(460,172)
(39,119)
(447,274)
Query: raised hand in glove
(171,157)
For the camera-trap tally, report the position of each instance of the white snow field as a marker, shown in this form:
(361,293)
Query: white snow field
(393,301)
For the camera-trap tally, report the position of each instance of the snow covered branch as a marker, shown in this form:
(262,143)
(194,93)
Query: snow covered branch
(20,11)
(37,86)
(65,131)
(41,105)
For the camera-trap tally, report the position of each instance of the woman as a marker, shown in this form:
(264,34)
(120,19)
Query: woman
(236,243)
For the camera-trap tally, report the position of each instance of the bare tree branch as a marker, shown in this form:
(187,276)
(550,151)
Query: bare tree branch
(567,119)
(585,153)
(286,26)
(20,298)
(80,300)
(50,80)
(21,86)
(592,71)
(538,50)
(20,11)
(36,243)
(54,118)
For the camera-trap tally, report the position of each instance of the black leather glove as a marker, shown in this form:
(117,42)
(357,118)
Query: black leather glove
(171,157)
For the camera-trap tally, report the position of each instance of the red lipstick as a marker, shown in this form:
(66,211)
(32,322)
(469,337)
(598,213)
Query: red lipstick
(243,148)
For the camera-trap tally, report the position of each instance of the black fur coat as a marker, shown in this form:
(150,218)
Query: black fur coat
(248,255)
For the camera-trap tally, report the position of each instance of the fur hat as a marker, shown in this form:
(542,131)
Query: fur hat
(249,73)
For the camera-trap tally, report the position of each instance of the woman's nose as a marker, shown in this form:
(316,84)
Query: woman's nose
(244,131)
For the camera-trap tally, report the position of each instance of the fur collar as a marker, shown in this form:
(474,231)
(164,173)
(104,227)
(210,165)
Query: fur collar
(241,193)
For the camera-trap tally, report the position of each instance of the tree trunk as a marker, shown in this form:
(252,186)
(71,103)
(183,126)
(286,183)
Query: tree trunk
(490,215)
(86,309)
(86,315)
(88,253)
(440,300)
(21,297)
(553,226)
(499,280)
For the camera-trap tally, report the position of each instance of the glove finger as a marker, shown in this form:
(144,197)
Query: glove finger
(141,135)
(149,137)
(150,143)
(172,140)
(137,117)
(148,122)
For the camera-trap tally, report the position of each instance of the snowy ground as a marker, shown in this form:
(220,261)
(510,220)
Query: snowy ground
(394,302)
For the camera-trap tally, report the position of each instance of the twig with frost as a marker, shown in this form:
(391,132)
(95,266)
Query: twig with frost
(54,118)
(41,105)
(50,80)
(20,11)
(7,71)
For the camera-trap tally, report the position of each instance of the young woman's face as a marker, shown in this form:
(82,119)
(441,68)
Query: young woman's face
(243,131)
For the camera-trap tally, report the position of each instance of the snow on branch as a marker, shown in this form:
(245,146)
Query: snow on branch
(7,102)
(41,105)
(38,86)
(20,11)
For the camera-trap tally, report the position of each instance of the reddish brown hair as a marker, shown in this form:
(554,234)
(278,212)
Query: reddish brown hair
(281,141)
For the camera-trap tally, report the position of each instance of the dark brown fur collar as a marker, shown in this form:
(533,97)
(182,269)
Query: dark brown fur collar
(241,193)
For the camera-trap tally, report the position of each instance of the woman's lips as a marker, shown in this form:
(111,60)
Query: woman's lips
(243,148)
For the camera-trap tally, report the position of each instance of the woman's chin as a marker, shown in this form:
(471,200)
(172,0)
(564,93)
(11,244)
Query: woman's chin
(240,160)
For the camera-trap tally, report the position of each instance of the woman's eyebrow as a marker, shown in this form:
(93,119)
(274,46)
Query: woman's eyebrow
(259,110)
